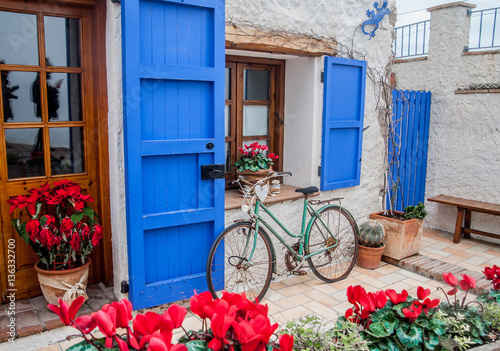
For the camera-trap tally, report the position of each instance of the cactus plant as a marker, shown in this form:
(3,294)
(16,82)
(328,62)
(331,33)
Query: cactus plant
(371,234)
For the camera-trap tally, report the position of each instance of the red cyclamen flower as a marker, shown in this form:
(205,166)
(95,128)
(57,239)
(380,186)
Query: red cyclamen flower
(468,282)
(450,279)
(67,313)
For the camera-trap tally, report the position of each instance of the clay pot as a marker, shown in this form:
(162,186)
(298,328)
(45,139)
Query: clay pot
(402,238)
(66,284)
(369,257)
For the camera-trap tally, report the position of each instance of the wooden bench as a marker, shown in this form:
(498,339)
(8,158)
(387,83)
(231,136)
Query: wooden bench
(465,207)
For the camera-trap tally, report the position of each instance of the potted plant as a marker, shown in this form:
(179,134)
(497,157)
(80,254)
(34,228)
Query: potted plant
(62,230)
(403,231)
(371,244)
(254,163)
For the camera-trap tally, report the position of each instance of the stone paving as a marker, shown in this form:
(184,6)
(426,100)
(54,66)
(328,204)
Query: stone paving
(299,296)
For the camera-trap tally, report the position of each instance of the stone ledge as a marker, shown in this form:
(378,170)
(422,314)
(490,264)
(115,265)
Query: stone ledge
(478,91)
(434,269)
(452,4)
(481,52)
(415,59)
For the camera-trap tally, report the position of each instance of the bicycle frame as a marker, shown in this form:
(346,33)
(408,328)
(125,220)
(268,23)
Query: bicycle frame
(304,232)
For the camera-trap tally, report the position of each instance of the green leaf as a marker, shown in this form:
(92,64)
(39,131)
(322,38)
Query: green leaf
(38,208)
(76,217)
(254,168)
(378,330)
(21,230)
(262,164)
(197,345)
(88,212)
(388,344)
(390,325)
(430,340)
(437,326)
(412,338)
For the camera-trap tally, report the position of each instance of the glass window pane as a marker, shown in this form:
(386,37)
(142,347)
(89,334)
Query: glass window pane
(227,122)
(18,38)
(256,85)
(255,120)
(227,86)
(66,150)
(24,152)
(21,96)
(227,151)
(64,96)
(62,41)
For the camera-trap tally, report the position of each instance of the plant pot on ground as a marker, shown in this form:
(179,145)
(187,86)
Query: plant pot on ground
(403,231)
(371,244)
(62,230)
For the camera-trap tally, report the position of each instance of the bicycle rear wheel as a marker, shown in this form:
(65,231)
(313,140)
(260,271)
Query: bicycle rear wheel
(336,263)
(229,268)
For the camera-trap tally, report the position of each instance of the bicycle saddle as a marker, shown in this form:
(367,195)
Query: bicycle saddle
(307,191)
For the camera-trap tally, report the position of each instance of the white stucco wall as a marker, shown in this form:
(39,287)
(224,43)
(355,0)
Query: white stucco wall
(464,137)
(303,104)
(116,155)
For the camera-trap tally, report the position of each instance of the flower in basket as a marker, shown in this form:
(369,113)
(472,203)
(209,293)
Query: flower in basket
(60,227)
(235,324)
(255,157)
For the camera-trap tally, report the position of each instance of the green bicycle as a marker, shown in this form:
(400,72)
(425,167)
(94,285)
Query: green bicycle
(243,257)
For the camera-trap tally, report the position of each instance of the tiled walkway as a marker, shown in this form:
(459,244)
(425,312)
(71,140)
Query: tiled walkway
(299,296)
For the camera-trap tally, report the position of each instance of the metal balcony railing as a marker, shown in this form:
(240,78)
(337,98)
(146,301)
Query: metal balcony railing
(484,29)
(412,40)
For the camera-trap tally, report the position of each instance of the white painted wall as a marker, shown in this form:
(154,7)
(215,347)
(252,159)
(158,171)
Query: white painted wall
(116,148)
(464,138)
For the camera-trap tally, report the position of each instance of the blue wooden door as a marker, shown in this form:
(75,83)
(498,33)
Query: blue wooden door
(343,115)
(173,72)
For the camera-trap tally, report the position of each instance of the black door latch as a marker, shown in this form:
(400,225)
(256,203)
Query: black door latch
(216,171)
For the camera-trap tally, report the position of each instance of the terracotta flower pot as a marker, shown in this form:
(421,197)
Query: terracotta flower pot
(369,257)
(402,238)
(66,284)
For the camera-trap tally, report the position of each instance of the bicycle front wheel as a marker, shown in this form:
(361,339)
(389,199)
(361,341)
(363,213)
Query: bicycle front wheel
(231,266)
(337,262)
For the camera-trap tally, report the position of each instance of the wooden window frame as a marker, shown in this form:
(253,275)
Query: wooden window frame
(236,103)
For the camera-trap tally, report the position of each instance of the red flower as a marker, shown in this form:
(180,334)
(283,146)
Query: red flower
(145,323)
(67,313)
(221,321)
(202,304)
(17,202)
(75,241)
(66,225)
(395,297)
(123,312)
(86,324)
(254,334)
(490,272)
(468,282)
(177,314)
(98,229)
(428,304)
(33,229)
(286,343)
(380,299)
(368,302)
(412,313)
(422,293)
(47,238)
(450,279)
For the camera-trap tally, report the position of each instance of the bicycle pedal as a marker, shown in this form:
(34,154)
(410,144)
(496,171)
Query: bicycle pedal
(299,272)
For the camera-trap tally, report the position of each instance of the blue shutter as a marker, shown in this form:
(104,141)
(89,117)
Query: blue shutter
(343,113)
(173,70)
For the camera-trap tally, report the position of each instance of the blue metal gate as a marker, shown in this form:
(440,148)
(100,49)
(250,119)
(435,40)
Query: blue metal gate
(173,66)
(411,117)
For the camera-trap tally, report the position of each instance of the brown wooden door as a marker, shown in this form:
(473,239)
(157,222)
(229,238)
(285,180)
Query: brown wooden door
(49,126)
